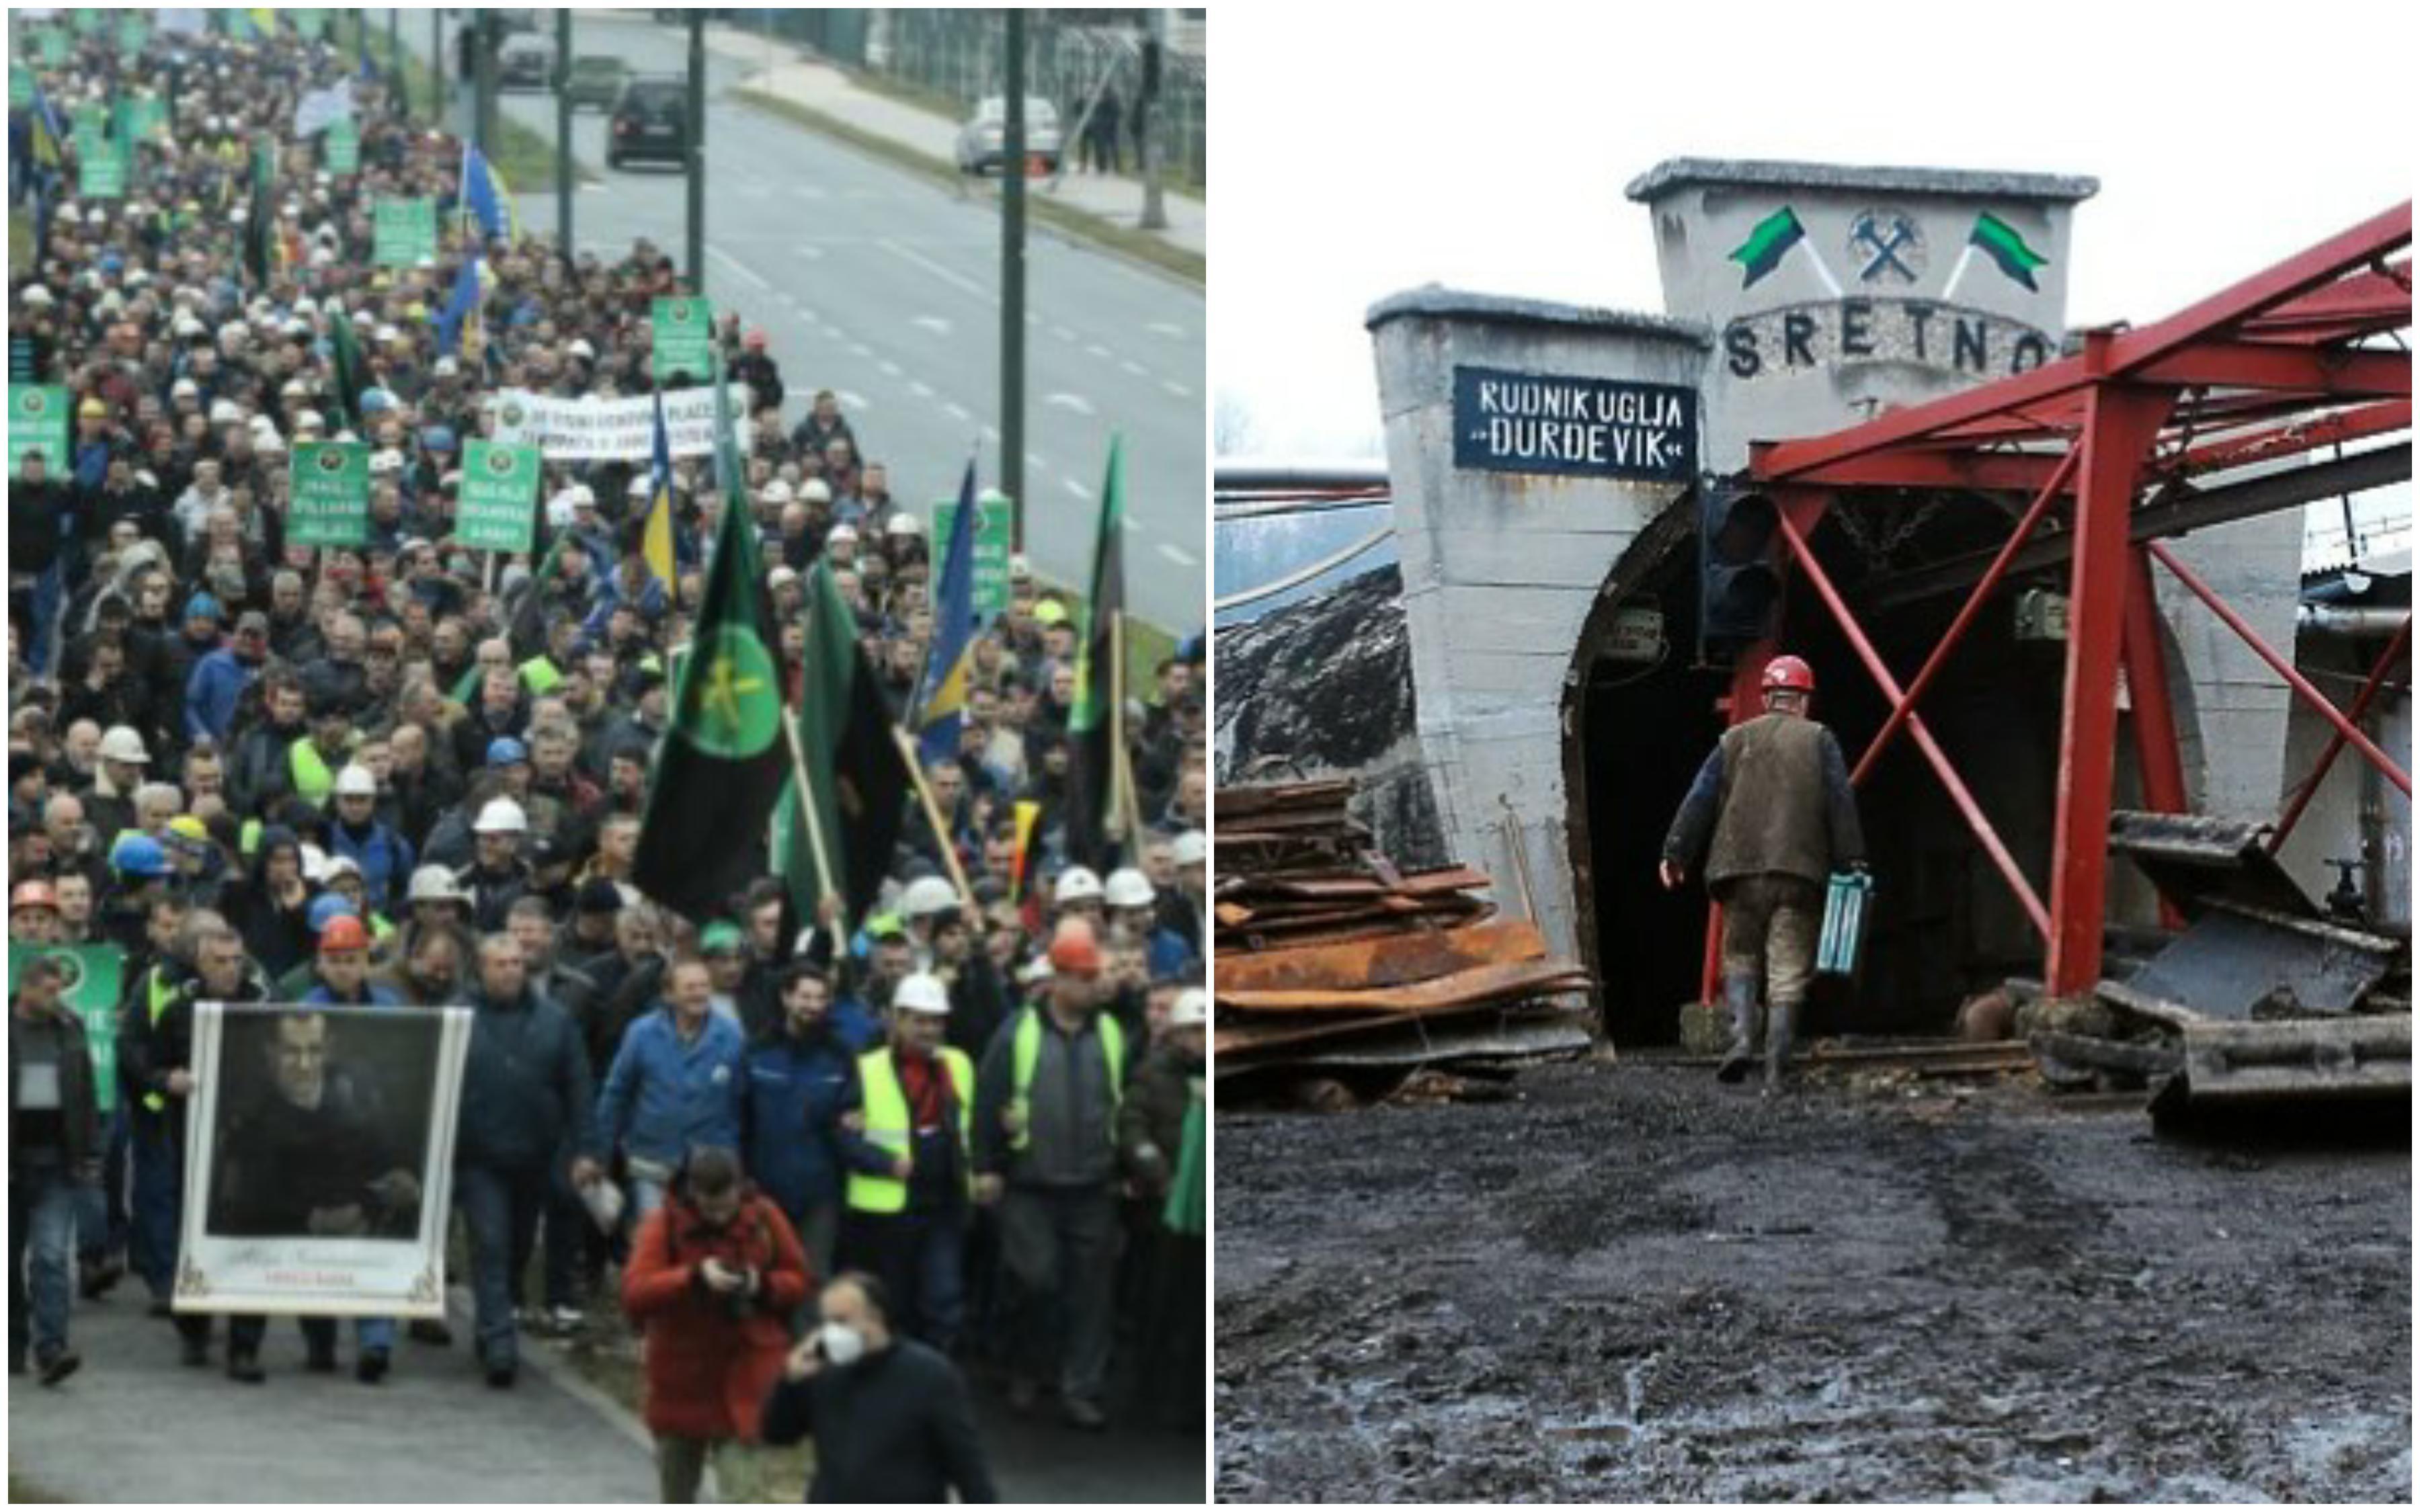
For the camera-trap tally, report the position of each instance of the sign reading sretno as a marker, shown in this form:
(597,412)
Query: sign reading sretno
(1595,428)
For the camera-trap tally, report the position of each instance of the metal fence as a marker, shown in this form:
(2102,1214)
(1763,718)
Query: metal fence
(956,54)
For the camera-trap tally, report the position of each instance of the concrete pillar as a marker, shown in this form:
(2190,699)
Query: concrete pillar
(1500,566)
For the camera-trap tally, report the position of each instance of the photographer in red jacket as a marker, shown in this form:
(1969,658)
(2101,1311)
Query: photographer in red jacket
(714,1277)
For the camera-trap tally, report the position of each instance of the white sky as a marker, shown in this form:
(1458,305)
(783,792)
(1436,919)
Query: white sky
(1486,146)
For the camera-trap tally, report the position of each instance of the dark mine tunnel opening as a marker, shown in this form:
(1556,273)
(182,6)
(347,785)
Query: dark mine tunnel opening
(1944,923)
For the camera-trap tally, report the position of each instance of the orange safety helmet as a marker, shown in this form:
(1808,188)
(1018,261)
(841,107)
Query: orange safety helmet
(1074,948)
(1789,675)
(33,895)
(343,933)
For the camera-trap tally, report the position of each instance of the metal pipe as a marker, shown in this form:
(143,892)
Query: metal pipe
(1959,795)
(1011,279)
(2301,685)
(2352,619)
(1974,605)
(2360,705)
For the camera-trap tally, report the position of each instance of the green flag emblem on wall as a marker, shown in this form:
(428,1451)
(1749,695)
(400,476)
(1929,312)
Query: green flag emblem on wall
(2006,249)
(1765,246)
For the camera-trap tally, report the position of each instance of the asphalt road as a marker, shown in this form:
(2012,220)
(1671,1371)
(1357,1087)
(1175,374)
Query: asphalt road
(884,286)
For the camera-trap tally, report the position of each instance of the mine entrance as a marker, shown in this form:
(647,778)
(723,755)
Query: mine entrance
(1945,924)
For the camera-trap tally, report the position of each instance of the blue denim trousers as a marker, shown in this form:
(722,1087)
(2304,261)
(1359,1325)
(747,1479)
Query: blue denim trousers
(159,1202)
(500,1208)
(42,1207)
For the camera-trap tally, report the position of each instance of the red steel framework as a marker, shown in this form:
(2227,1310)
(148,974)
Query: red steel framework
(2277,367)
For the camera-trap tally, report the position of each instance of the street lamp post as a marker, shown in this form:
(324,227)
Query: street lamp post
(562,185)
(1011,282)
(696,153)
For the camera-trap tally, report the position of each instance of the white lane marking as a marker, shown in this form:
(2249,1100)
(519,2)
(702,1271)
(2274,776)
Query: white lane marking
(941,270)
(933,323)
(1175,388)
(1177,554)
(1063,332)
(1097,349)
(740,267)
(758,190)
(920,389)
(854,400)
(858,348)
(991,434)
(1133,367)
(810,191)
(1036,459)
(809,251)
(1134,526)
(958,412)
(1162,328)
(1070,401)
(1077,490)
(889,368)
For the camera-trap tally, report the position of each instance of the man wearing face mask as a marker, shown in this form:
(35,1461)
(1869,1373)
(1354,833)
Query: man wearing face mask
(714,1275)
(890,1417)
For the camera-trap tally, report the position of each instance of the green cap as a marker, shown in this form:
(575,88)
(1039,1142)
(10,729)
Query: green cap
(721,934)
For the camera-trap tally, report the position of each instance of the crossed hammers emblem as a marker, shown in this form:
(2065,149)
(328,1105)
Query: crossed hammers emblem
(1885,244)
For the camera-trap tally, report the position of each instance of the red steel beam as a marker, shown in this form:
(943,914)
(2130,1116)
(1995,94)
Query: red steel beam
(1945,469)
(2353,712)
(1972,812)
(2119,425)
(1904,708)
(2380,419)
(2306,273)
(2265,365)
(2158,755)
(2301,685)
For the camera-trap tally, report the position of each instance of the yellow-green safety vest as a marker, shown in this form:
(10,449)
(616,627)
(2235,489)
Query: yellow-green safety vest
(157,996)
(889,1127)
(312,779)
(1025,1053)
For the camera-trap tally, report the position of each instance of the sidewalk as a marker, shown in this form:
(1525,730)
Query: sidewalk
(135,1425)
(826,89)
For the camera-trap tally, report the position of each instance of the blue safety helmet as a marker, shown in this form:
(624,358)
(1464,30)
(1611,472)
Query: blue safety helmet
(505,751)
(327,909)
(140,855)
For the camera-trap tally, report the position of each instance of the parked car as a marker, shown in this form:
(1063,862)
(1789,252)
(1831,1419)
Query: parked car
(650,121)
(981,139)
(596,81)
(525,61)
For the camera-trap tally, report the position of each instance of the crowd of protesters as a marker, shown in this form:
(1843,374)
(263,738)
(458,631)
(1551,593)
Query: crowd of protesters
(409,776)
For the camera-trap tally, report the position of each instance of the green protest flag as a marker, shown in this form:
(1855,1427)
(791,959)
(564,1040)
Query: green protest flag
(90,992)
(684,334)
(331,495)
(89,22)
(402,232)
(352,372)
(499,507)
(1097,776)
(857,778)
(39,417)
(341,147)
(89,122)
(992,542)
(721,763)
(308,24)
(133,32)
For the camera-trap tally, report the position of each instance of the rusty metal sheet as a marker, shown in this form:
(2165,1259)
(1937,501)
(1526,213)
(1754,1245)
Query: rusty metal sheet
(2193,860)
(1415,883)
(2361,1057)
(1518,1038)
(1389,960)
(1459,989)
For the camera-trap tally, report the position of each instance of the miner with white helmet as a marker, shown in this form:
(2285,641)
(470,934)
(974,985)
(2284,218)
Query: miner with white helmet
(500,874)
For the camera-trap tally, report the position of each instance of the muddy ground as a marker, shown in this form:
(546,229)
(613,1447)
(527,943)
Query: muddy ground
(1632,1283)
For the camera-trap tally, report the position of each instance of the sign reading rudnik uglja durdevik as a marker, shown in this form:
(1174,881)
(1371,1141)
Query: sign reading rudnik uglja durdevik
(1597,427)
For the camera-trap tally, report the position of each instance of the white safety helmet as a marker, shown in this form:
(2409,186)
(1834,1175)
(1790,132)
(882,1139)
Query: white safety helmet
(1190,848)
(315,863)
(434,884)
(1128,888)
(921,991)
(121,744)
(1191,1009)
(927,896)
(502,816)
(1077,884)
(356,782)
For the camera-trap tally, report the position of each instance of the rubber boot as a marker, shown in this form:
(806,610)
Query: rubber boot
(1777,1035)
(1740,993)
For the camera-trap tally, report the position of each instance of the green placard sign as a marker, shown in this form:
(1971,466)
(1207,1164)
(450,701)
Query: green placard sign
(402,232)
(93,974)
(21,86)
(144,116)
(88,21)
(992,522)
(133,32)
(341,146)
(684,332)
(39,417)
(498,509)
(308,24)
(331,494)
(53,45)
(88,121)
(102,172)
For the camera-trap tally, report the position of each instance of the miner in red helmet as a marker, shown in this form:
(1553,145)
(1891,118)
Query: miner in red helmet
(1768,820)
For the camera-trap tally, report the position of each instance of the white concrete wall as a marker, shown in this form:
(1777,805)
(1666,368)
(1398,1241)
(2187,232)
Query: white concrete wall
(1500,569)
(2355,804)
(2235,749)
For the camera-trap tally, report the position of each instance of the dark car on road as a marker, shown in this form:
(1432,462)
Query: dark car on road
(650,121)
